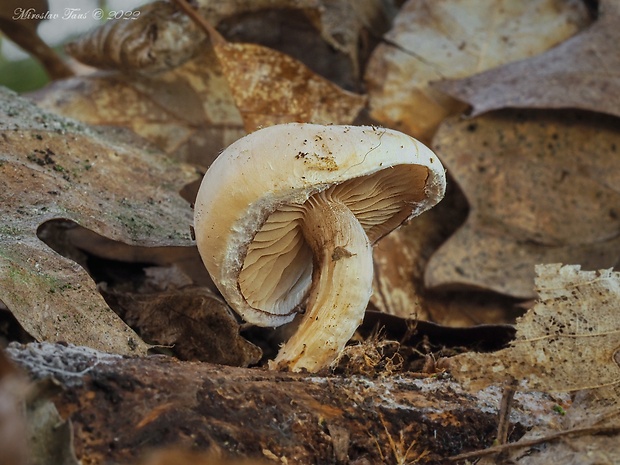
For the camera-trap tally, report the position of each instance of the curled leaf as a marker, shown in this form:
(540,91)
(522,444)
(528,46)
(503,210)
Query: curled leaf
(54,168)
(158,38)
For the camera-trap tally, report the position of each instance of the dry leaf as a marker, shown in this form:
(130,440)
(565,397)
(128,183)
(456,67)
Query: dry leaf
(347,30)
(543,187)
(270,88)
(569,341)
(187,112)
(53,168)
(583,72)
(452,39)
(193,321)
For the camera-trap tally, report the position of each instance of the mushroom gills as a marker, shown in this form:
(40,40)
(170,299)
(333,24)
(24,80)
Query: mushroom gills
(382,201)
(277,270)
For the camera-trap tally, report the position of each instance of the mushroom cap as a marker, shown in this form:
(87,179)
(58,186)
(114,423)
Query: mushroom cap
(250,204)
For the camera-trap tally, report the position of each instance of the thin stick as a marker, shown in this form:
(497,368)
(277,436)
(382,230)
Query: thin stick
(504,413)
(533,442)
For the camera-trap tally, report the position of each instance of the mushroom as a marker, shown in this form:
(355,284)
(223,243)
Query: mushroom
(285,220)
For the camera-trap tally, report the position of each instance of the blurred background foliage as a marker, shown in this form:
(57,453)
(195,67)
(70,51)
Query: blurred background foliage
(22,75)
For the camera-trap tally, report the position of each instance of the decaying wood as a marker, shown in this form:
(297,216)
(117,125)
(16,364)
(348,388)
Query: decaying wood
(123,407)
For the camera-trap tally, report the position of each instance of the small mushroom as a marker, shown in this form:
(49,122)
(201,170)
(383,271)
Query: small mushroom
(286,217)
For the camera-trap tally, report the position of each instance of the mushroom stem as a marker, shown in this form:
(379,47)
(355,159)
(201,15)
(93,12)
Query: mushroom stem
(341,285)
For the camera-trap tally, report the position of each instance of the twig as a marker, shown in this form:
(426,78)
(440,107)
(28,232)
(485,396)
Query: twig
(533,442)
(504,412)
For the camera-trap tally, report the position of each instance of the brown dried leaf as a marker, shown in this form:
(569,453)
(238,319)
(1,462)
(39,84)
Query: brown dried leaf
(543,187)
(193,321)
(270,88)
(583,72)
(569,341)
(452,39)
(54,168)
(187,112)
